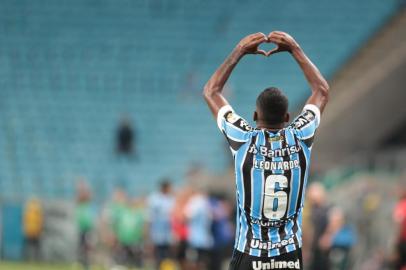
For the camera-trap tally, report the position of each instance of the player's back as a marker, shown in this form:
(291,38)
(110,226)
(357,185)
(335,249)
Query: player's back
(271,168)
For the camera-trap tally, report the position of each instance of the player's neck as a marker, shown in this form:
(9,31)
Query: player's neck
(262,125)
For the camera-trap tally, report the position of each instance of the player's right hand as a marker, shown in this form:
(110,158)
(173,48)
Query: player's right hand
(249,44)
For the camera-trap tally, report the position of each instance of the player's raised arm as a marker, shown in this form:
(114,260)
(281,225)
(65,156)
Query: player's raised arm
(214,87)
(318,85)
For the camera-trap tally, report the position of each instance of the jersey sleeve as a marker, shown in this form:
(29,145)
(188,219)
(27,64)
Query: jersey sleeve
(306,124)
(234,127)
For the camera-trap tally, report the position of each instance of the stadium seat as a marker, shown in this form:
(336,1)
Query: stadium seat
(70,69)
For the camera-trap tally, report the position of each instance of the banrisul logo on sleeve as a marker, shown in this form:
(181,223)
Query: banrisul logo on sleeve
(232,117)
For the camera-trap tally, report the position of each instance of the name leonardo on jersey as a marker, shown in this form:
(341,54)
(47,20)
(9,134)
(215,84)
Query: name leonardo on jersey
(276,165)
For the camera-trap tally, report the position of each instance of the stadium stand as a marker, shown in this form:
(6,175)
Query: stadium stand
(69,73)
(367,83)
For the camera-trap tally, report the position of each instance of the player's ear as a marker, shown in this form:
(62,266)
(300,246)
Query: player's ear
(255,116)
(287,117)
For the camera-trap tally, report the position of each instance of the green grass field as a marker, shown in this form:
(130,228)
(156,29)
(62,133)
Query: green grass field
(40,266)
(24,266)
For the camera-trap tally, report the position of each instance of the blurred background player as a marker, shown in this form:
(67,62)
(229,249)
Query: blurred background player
(339,240)
(130,234)
(399,216)
(319,221)
(85,218)
(180,226)
(160,206)
(33,227)
(222,230)
(199,220)
(271,161)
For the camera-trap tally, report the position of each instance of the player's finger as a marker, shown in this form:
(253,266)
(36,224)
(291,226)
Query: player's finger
(255,36)
(260,37)
(279,32)
(273,51)
(275,34)
(259,34)
(274,39)
(258,41)
(263,36)
(272,33)
(261,52)
(280,36)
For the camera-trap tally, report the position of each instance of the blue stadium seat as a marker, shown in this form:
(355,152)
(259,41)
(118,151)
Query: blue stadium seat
(70,69)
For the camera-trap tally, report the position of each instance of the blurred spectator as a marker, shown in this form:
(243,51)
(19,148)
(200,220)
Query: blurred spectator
(160,205)
(130,232)
(200,239)
(33,226)
(85,218)
(319,222)
(339,239)
(126,139)
(399,216)
(116,207)
(223,231)
(375,262)
(180,226)
(110,226)
(307,234)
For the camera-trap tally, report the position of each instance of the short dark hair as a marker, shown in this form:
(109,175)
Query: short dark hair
(273,105)
(165,184)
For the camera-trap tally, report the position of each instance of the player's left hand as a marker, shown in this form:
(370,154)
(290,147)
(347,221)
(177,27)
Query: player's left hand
(284,42)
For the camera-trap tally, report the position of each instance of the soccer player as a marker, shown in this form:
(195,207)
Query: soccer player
(160,207)
(271,161)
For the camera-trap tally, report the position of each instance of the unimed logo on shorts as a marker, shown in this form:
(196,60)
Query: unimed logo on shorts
(258,265)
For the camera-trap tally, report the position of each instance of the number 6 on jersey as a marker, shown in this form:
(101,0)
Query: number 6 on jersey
(275,199)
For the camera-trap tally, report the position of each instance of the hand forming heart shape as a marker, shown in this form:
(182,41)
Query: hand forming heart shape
(283,41)
(264,49)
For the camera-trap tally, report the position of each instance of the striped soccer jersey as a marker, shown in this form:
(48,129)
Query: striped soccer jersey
(271,170)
